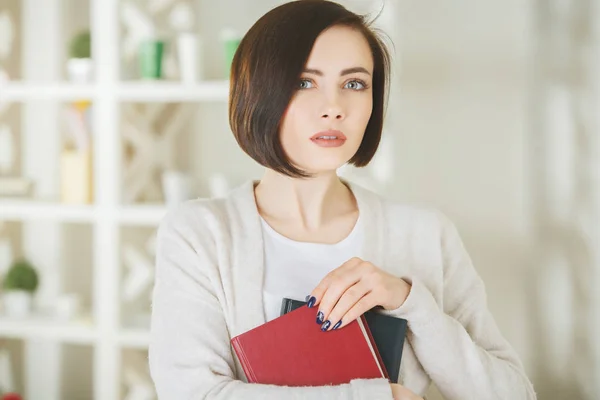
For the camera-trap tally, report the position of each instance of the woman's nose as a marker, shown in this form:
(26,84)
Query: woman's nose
(333,109)
(333,112)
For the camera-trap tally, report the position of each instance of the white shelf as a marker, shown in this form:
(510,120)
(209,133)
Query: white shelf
(24,91)
(134,338)
(142,214)
(135,91)
(165,91)
(27,210)
(47,328)
(19,210)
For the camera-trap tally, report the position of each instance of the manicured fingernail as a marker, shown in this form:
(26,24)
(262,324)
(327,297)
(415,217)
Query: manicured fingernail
(320,317)
(325,326)
(311,301)
(337,325)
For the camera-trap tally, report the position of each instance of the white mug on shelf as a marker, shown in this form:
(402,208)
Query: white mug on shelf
(67,306)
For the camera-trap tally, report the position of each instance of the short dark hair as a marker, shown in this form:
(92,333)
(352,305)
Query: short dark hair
(266,69)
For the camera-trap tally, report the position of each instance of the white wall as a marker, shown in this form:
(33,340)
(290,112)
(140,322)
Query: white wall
(462,142)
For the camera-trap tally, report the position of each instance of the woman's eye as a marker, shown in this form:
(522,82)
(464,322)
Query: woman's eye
(305,84)
(355,85)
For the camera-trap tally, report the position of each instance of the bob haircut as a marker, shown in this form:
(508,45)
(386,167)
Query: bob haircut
(266,70)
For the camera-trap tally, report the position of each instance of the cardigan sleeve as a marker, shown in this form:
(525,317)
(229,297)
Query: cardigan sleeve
(190,356)
(459,344)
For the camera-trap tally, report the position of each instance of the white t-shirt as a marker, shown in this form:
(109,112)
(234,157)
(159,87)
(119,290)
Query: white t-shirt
(293,269)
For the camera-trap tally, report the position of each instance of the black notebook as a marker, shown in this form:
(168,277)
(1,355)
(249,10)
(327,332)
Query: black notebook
(388,333)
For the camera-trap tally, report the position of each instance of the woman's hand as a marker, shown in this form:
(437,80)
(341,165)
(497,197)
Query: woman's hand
(401,393)
(354,288)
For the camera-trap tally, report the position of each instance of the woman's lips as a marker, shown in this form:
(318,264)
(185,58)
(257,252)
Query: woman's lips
(330,138)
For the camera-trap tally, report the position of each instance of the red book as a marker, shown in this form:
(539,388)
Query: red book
(291,350)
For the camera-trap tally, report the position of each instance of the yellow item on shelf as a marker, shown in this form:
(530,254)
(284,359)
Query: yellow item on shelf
(82,105)
(76,177)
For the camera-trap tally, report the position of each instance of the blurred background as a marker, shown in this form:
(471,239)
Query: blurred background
(112,111)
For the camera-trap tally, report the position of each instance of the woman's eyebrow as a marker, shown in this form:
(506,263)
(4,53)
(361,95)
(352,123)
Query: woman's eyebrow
(344,72)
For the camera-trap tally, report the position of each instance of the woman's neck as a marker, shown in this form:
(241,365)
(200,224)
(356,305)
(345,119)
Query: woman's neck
(307,203)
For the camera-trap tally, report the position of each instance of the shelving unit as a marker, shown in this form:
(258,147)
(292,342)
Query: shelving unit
(103,331)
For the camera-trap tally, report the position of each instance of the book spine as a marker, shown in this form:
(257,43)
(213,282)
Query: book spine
(379,359)
(239,350)
(286,306)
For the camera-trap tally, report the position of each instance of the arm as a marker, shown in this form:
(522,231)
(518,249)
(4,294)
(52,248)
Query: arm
(189,354)
(460,346)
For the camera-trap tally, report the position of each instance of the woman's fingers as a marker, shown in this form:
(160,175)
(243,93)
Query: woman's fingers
(343,295)
(336,278)
(356,301)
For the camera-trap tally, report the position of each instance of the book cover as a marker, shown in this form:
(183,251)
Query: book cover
(389,334)
(291,350)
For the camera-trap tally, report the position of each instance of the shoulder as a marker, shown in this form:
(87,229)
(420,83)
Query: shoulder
(407,214)
(402,217)
(418,218)
(213,217)
(416,223)
(432,237)
(427,231)
(193,215)
(190,228)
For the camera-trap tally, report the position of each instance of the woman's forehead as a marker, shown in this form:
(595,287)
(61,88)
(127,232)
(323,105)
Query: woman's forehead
(340,48)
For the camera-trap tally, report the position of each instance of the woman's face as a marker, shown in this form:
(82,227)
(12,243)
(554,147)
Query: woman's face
(327,117)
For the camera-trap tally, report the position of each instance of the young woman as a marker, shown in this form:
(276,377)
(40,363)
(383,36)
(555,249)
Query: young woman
(308,87)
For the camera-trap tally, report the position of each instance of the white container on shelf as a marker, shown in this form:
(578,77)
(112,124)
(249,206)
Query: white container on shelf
(177,187)
(67,307)
(189,53)
(17,303)
(80,70)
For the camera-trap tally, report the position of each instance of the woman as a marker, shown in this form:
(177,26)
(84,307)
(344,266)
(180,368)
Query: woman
(308,87)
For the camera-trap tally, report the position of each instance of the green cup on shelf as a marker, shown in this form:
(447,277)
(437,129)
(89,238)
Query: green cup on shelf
(231,41)
(230,49)
(151,58)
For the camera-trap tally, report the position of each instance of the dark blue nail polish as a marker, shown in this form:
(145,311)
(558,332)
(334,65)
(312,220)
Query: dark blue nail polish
(337,325)
(311,301)
(320,317)
(325,326)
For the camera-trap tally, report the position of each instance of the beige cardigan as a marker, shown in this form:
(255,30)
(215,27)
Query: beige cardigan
(208,288)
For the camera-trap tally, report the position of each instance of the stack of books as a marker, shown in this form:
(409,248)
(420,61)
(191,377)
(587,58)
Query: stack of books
(291,350)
